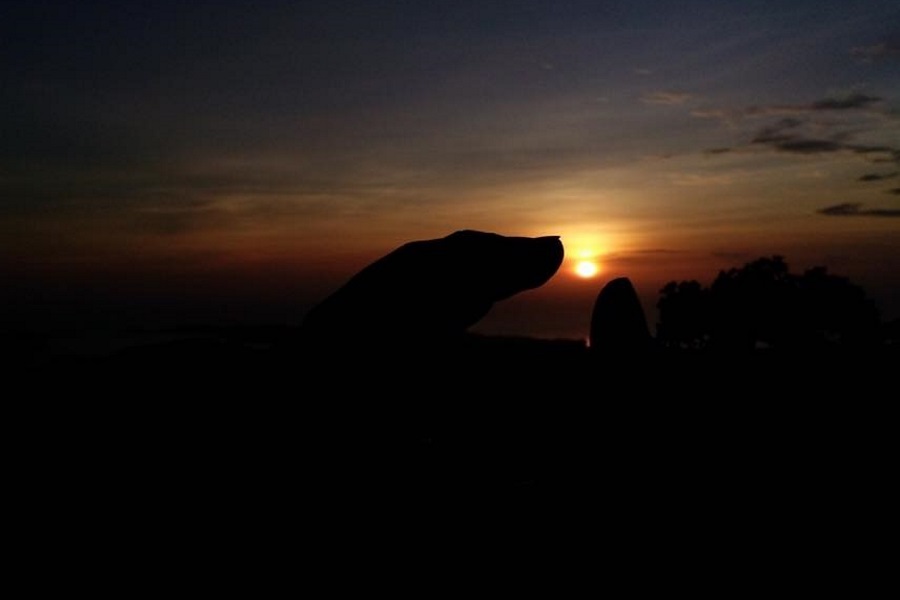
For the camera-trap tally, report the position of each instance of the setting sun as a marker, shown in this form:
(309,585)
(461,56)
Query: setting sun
(586,268)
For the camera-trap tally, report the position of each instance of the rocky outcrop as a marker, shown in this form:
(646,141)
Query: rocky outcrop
(430,289)
(618,324)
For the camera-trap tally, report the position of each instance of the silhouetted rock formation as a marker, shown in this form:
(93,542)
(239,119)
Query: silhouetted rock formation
(432,289)
(618,325)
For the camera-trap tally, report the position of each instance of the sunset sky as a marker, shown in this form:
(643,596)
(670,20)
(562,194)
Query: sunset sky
(233,162)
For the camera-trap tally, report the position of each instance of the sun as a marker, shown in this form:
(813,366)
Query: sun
(586,268)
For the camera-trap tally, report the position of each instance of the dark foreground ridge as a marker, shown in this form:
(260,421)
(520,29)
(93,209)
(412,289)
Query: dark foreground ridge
(249,428)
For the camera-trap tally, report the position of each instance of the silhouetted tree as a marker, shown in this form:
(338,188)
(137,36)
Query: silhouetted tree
(891,333)
(835,310)
(683,309)
(752,304)
(763,303)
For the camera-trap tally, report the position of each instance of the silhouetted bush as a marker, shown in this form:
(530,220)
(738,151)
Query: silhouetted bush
(763,304)
(684,314)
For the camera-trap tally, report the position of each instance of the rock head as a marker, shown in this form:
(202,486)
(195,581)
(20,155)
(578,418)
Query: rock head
(618,325)
(429,289)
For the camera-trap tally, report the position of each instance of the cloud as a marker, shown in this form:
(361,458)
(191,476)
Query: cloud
(855,209)
(893,155)
(876,52)
(782,136)
(731,255)
(847,102)
(787,135)
(774,110)
(668,98)
(894,190)
(878,176)
(777,133)
(658,251)
(801,134)
(642,256)
(702,179)
(715,113)
(808,146)
(883,154)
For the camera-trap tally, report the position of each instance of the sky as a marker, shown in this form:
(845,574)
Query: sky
(169,163)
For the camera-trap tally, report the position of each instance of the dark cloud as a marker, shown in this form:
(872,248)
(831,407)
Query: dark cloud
(800,131)
(844,209)
(844,103)
(808,146)
(642,256)
(791,134)
(666,98)
(894,156)
(855,209)
(878,176)
(894,190)
(796,144)
(787,136)
(727,116)
(877,52)
(777,133)
(883,154)
(835,103)
(872,149)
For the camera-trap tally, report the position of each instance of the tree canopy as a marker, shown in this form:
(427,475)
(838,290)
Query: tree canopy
(763,304)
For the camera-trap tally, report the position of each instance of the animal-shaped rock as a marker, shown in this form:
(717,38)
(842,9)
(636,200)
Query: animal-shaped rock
(618,325)
(432,289)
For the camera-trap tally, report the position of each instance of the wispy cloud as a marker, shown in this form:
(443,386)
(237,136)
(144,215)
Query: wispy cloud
(787,135)
(846,102)
(666,97)
(658,251)
(702,179)
(878,176)
(876,52)
(779,132)
(716,113)
(855,209)
(888,155)
(802,145)
(734,255)
(803,129)
(807,146)
(642,256)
